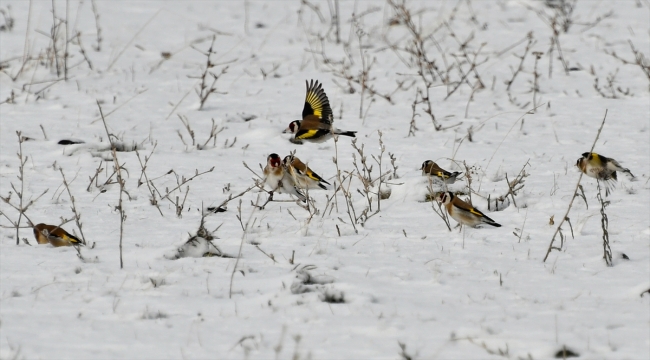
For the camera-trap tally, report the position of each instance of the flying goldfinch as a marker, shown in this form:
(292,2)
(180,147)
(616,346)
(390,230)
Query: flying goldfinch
(278,179)
(463,212)
(302,175)
(316,124)
(436,172)
(600,167)
(54,235)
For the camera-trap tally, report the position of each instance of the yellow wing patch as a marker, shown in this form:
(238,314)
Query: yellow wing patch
(308,134)
(65,237)
(313,176)
(476,212)
(72,240)
(314,101)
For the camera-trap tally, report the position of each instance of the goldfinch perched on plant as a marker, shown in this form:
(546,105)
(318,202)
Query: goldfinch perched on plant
(54,235)
(463,212)
(302,175)
(600,167)
(316,124)
(436,172)
(278,179)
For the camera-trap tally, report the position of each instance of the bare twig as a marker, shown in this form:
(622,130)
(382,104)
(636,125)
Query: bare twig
(604,222)
(346,192)
(77,215)
(204,91)
(120,180)
(21,207)
(143,166)
(531,41)
(575,194)
(241,244)
(97,47)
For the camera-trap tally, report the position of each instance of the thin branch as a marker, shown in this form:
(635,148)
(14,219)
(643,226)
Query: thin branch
(575,194)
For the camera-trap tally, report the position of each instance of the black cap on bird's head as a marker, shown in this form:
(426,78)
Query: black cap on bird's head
(425,164)
(586,156)
(274,160)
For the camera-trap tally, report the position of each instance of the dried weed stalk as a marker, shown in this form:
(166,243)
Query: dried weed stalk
(143,166)
(639,59)
(345,190)
(214,131)
(22,205)
(241,244)
(204,90)
(575,194)
(73,207)
(120,180)
(604,223)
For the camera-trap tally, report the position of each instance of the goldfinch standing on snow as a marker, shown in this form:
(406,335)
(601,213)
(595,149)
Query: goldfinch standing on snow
(463,212)
(316,124)
(302,175)
(436,172)
(278,179)
(54,235)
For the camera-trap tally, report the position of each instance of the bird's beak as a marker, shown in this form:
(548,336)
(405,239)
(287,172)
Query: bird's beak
(286,131)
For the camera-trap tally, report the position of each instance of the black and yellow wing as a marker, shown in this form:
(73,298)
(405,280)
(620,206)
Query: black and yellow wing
(65,236)
(316,103)
(468,208)
(443,174)
(312,134)
(481,215)
(312,175)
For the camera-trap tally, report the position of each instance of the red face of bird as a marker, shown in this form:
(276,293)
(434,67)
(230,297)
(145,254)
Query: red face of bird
(444,197)
(292,128)
(426,164)
(273,160)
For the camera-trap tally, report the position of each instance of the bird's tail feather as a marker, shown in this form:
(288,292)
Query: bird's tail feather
(346,133)
(300,195)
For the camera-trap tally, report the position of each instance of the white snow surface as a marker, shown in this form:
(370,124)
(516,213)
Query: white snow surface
(404,278)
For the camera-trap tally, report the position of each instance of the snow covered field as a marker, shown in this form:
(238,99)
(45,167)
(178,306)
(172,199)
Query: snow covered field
(312,283)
